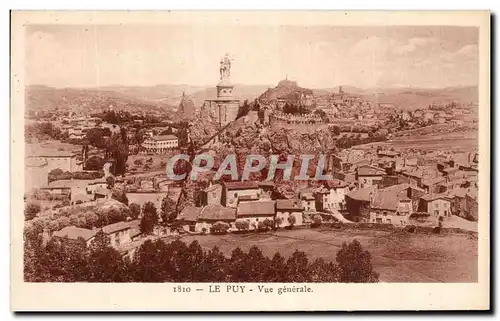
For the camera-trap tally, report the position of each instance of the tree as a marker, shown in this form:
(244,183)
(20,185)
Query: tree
(95,163)
(135,211)
(291,220)
(277,222)
(214,266)
(106,263)
(355,264)
(335,130)
(168,213)
(73,219)
(236,267)
(242,225)
(277,270)
(220,227)
(297,267)
(243,110)
(120,195)
(256,265)
(31,210)
(110,180)
(321,271)
(91,219)
(95,137)
(268,224)
(149,218)
(317,220)
(152,262)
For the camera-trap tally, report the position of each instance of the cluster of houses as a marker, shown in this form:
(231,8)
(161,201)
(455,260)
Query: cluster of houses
(248,201)
(123,236)
(389,189)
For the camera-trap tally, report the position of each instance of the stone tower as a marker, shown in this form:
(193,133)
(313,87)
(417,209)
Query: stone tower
(224,107)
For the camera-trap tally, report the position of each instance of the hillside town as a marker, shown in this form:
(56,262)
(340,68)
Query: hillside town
(392,168)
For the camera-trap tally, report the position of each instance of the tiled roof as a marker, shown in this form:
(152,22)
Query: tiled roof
(135,224)
(387,200)
(217,212)
(189,214)
(362,194)
(73,233)
(288,205)
(135,232)
(336,183)
(164,137)
(432,197)
(116,227)
(241,185)
(31,162)
(256,208)
(367,170)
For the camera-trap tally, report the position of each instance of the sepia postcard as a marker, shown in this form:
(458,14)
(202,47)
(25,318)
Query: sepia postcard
(250,161)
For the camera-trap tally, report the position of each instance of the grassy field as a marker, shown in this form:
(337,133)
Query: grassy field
(397,256)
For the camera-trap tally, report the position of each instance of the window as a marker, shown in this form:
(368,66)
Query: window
(445,213)
(436,205)
(379,220)
(214,194)
(235,194)
(436,212)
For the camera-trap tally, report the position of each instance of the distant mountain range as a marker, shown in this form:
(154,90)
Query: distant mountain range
(166,98)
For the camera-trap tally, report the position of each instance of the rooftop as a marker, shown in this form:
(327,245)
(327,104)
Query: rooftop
(241,185)
(31,162)
(189,214)
(432,197)
(164,137)
(288,205)
(367,170)
(362,194)
(255,208)
(217,212)
(116,227)
(73,233)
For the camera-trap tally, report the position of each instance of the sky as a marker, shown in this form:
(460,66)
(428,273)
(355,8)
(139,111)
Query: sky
(314,56)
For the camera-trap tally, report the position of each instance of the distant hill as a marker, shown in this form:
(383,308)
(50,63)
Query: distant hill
(166,98)
(153,98)
(86,100)
(413,98)
(285,88)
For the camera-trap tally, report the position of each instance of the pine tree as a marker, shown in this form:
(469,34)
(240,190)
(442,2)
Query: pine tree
(355,264)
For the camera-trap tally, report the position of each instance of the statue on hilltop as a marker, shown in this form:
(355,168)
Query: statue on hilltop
(225,67)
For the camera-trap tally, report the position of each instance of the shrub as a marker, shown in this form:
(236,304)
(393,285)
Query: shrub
(31,210)
(410,228)
(242,225)
(317,220)
(220,228)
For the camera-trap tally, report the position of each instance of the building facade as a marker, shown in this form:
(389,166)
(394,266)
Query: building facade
(160,144)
